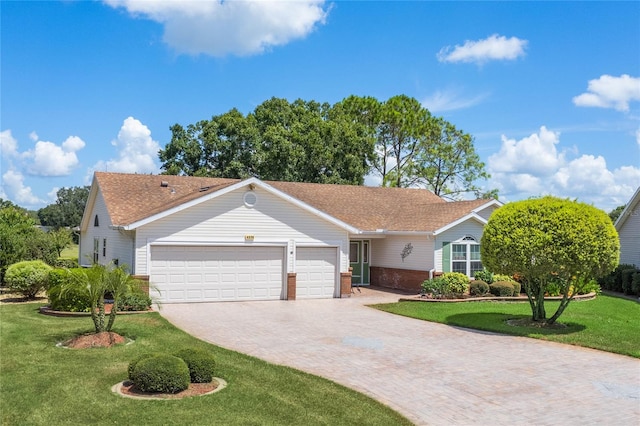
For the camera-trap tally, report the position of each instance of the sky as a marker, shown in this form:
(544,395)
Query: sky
(550,91)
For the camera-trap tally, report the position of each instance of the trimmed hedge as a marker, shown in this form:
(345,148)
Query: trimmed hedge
(70,300)
(478,288)
(161,373)
(134,302)
(28,277)
(132,364)
(501,288)
(201,364)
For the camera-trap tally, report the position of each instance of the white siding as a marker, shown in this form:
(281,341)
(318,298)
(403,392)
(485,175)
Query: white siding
(470,227)
(630,240)
(225,220)
(486,212)
(386,252)
(119,243)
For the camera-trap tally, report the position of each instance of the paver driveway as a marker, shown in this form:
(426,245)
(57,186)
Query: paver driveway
(432,373)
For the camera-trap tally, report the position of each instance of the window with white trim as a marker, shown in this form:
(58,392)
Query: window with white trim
(96,249)
(465,256)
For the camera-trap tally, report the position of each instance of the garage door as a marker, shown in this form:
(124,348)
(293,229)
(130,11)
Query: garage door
(209,274)
(316,272)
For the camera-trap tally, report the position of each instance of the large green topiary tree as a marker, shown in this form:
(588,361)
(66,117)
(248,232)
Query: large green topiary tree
(548,240)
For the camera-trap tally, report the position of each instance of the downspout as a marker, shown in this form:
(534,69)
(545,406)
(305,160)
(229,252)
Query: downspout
(431,272)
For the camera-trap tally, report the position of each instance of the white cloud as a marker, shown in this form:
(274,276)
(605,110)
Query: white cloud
(137,151)
(13,186)
(450,100)
(610,92)
(33,136)
(219,28)
(8,144)
(535,154)
(534,166)
(49,159)
(492,48)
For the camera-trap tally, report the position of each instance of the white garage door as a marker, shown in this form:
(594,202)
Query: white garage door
(316,272)
(209,274)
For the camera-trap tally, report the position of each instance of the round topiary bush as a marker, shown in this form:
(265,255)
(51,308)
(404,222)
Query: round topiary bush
(28,277)
(161,373)
(478,288)
(501,288)
(136,360)
(516,287)
(456,283)
(201,364)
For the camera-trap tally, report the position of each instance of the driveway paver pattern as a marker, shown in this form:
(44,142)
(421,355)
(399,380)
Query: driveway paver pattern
(433,374)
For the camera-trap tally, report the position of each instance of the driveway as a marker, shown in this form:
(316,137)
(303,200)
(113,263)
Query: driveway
(432,373)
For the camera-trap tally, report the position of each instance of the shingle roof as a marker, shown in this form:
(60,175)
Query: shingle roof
(132,197)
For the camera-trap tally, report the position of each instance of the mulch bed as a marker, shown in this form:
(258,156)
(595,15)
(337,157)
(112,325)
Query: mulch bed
(104,339)
(127,388)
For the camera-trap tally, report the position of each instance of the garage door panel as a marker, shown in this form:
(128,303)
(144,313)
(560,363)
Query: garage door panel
(217,273)
(316,270)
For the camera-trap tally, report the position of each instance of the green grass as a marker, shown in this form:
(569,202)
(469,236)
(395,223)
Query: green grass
(70,252)
(41,384)
(606,323)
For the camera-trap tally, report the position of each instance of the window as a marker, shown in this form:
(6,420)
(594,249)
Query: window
(353,252)
(365,252)
(96,249)
(96,222)
(104,247)
(465,256)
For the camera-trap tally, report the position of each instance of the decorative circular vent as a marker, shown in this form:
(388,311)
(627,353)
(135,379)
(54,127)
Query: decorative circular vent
(250,198)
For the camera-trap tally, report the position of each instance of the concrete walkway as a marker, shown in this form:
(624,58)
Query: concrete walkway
(432,373)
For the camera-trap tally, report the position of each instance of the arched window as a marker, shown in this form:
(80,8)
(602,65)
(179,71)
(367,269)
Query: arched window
(465,256)
(96,222)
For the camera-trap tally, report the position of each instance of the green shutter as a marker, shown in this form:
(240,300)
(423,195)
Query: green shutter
(446,256)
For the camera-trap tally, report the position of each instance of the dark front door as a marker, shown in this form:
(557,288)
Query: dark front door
(359,262)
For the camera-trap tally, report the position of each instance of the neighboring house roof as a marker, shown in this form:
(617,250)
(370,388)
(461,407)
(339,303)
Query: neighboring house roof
(630,209)
(132,198)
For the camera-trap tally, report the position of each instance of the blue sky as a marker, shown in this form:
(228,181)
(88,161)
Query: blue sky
(549,90)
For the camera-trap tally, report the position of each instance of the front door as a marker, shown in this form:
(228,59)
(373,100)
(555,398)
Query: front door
(359,262)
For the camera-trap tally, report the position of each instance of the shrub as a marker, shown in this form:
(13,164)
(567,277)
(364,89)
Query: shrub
(435,287)
(516,287)
(134,302)
(613,281)
(626,277)
(501,277)
(484,275)
(201,364)
(635,284)
(66,263)
(554,289)
(456,283)
(132,364)
(501,288)
(70,300)
(28,277)
(478,288)
(161,373)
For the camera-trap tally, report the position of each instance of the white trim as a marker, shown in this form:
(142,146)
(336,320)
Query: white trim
(88,207)
(628,210)
(234,187)
(489,203)
(471,215)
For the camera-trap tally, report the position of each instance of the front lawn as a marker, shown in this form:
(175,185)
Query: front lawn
(70,252)
(607,323)
(41,384)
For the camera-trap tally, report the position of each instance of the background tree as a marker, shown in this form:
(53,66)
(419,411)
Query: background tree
(447,163)
(615,213)
(61,239)
(549,240)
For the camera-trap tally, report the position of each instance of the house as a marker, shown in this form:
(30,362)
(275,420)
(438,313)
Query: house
(214,239)
(628,227)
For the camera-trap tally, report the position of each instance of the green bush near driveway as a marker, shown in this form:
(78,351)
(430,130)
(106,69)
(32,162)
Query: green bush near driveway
(47,385)
(606,323)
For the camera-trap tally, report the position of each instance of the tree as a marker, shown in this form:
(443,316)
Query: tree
(61,239)
(16,227)
(68,209)
(615,213)
(299,141)
(447,163)
(550,240)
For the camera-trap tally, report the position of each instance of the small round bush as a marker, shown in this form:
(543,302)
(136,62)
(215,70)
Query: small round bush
(484,275)
(478,288)
(136,360)
(501,288)
(161,373)
(457,283)
(28,277)
(516,287)
(201,364)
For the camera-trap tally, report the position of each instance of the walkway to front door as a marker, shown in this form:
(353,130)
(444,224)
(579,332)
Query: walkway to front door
(432,373)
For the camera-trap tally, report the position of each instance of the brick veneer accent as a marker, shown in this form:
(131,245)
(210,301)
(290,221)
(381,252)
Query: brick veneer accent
(402,279)
(345,284)
(145,284)
(291,286)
